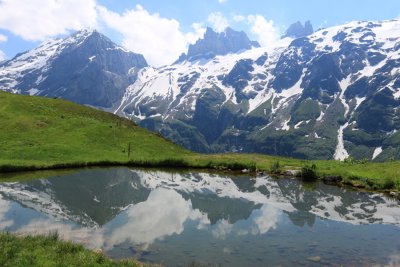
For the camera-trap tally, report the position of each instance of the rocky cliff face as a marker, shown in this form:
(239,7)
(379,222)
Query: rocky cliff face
(213,44)
(86,68)
(297,30)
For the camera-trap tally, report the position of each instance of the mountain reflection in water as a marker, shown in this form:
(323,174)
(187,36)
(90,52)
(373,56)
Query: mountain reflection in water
(127,212)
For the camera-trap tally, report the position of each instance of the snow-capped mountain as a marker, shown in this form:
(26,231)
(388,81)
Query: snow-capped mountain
(327,94)
(332,94)
(86,68)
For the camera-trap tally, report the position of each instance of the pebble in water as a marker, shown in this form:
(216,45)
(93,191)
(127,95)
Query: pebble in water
(314,258)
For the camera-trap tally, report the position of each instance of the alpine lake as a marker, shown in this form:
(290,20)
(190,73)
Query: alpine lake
(177,218)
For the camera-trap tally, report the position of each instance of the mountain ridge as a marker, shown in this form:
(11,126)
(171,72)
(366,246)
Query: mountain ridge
(213,44)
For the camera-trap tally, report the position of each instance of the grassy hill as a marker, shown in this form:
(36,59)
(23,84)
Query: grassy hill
(43,133)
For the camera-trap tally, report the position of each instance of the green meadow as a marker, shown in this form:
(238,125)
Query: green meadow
(42,133)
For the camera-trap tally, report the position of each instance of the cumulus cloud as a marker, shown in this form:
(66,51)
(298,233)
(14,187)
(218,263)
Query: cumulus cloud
(3,38)
(218,21)
(163,214)
(265,219)
(198,32)
(238,18)
(222,230)
(4,208)
(2,56)
(159,39)
(36,20)
(265,30)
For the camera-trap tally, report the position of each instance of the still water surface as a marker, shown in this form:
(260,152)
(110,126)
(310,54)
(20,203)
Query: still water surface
(176,218)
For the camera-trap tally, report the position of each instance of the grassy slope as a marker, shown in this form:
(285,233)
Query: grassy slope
(42,133)
(49,251)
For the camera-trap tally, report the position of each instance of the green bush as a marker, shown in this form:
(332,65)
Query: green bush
(309,173)
(388,184)
(275,168)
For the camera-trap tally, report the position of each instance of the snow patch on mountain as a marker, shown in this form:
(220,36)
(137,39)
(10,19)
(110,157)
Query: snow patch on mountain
(33,91)
(344,84)
(34,60)
(341,152)
(377,152)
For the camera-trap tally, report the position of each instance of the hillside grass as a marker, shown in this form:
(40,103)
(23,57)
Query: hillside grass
(362,174)
(42,133)
(22,251)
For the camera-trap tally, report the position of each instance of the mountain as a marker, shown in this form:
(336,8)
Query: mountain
(297,30)
(86,68)
(213,44)
(332,94)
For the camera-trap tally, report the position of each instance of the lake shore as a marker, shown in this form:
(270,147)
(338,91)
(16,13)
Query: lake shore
(377,177)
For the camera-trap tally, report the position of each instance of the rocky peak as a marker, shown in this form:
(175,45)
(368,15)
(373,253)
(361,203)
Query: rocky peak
(214,43)
(85,67)
(297,30)
(98,48)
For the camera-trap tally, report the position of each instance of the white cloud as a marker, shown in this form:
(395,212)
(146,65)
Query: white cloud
(222,1)
(163,214)
(265,219)
(238,18)
(36,20)
(4,208)
(222,230)
(3,38)
(2,56)
(198,33)
(265,31)
(218,21)
(158,39)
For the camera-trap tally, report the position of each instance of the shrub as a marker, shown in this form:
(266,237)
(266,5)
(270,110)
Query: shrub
(388,184)
(275,168)
(309,173)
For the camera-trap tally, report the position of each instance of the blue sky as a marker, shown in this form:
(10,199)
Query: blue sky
(161,30)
